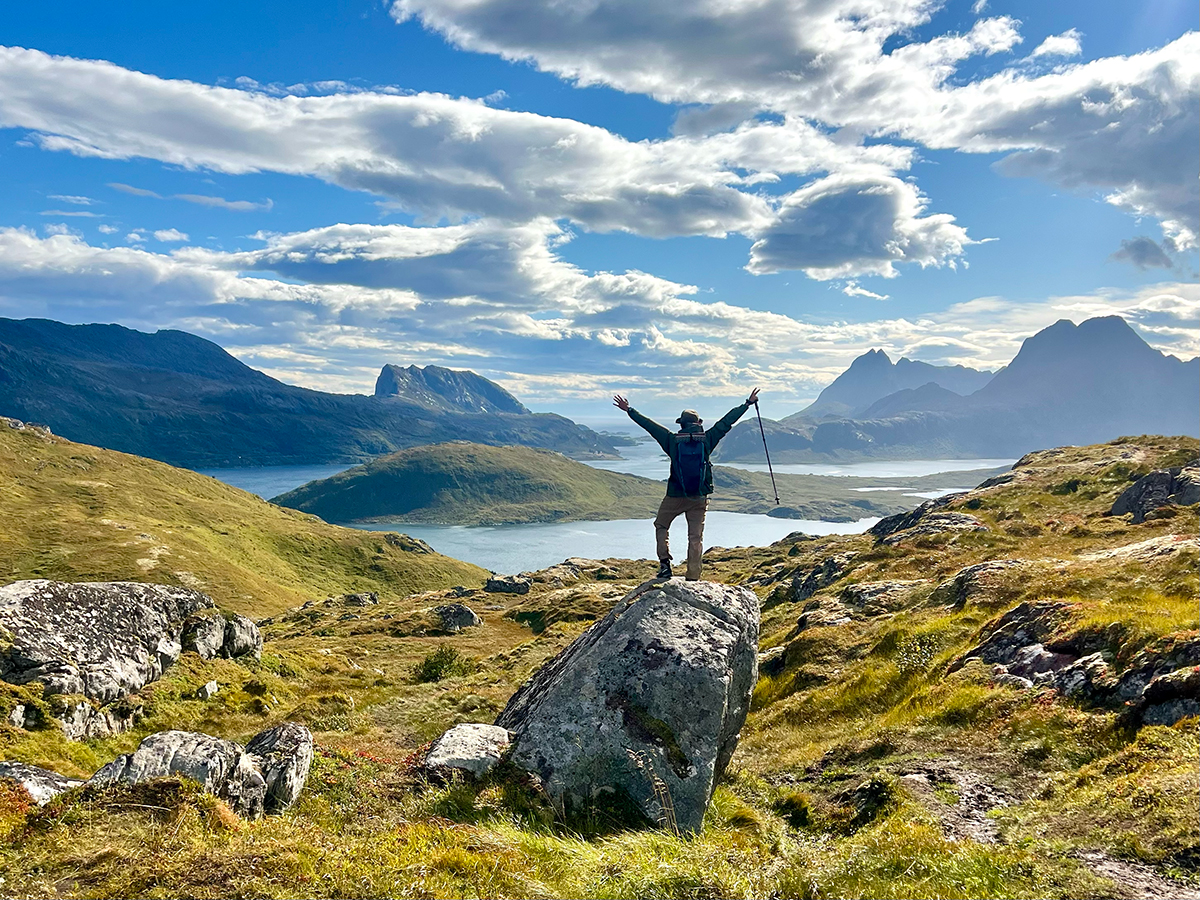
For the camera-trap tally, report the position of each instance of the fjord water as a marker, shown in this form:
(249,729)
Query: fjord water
(516,548)
(508,549)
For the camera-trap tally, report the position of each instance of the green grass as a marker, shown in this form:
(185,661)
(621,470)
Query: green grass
(853,709)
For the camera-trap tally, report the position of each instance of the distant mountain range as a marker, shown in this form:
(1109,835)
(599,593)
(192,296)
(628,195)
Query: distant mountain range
(1068,384)
(178,398)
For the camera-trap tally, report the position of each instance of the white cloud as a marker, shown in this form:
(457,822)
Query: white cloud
(134,237)
(73,199)
(107,229)
(167,235)
(855,223)
(853,289)
(1065,44)
(439,156)
(72,213)
(1122,126)
(222,203)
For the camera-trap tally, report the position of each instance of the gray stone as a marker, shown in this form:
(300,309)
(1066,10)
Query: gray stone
(822,612)
(508,584)
(242,637)
(104,640)
(875,597)
(42,785)
(16,716)
(207,691)
(1034,659)
(284,754)
(363,598)
(204,633)
(970,582)
(1180,486)
(1171,696)
(1086,679)
(468,750)
(934,524)
(222,767)
(647,703)
(906,520)
(457,616)
(805,583)
(1023,625)
(79,718)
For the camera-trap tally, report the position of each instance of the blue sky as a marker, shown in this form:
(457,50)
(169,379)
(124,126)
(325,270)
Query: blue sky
(674,201)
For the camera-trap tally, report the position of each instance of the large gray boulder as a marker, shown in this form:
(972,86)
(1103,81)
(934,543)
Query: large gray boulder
(267,775)
(646,705)
(1179,486)
(242,638)
(222,767)
(103,640)
(42,785)
(210,634)
(284,754)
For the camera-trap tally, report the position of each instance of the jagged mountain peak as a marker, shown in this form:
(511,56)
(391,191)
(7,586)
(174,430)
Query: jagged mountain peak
(440,388)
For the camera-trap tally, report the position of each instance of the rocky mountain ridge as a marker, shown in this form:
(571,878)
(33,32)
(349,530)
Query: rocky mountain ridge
(1068,384)
(181,399)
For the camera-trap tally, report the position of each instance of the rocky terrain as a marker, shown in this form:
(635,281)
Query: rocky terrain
(176,397)
(1069,384)
(993,695)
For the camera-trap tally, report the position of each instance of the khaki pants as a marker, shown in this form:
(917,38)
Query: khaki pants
(692,507)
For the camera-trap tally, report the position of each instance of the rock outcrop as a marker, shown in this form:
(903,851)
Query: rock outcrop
(96,642)
(42,785)
(970,582)
(265,776)
(805,583)
(210,634)
(508,584)
(468,751)
(645,706)
(457,616)
(1179,486)
(284,754)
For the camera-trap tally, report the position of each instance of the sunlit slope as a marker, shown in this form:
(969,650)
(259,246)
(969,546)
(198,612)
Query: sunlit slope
(76,513)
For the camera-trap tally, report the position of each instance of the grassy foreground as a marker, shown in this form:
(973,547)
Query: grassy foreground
(868,768)
(460,483)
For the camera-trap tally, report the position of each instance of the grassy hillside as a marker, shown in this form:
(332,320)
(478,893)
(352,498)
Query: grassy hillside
(78,513)
(460,483)
(872,763)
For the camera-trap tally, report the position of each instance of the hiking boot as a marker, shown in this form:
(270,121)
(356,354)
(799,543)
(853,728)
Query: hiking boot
(664,569)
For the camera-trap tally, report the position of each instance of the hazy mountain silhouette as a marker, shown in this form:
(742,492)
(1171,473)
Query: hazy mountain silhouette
(874,376)
(1068,384)
(176,397)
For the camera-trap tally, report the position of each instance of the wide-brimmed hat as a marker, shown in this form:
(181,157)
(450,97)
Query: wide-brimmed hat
(688,417)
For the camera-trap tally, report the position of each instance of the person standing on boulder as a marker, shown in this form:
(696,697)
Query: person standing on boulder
(690,481)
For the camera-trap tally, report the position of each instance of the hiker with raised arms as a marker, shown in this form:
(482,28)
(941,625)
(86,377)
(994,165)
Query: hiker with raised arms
(690,481)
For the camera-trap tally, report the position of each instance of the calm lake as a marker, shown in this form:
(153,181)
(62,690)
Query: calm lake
(516,548)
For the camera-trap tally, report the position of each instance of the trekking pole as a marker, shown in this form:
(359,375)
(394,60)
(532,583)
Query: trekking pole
(767,452)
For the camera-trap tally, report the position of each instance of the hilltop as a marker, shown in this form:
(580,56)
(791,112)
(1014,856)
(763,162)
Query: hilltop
(73,512)
(471,484)
(1068,384)
(178,398)
(888,751)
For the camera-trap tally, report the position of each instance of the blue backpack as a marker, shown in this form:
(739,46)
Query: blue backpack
(691,461)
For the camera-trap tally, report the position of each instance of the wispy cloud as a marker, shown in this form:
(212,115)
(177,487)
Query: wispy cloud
(170,235)
(74,213)
(73,199)
(199,199)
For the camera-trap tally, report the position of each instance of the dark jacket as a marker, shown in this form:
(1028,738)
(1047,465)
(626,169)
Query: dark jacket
(668,441)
